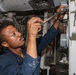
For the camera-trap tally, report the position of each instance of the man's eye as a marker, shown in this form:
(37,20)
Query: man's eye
(17,30)
(13,34)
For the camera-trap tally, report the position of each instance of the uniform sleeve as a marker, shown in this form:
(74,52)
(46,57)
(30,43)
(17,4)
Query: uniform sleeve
(47,38)
(30,64)
(26,68)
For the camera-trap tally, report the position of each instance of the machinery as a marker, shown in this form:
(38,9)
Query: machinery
(59,57)
(72,40)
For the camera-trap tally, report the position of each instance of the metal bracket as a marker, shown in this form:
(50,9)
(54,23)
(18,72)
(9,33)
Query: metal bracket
(73,36)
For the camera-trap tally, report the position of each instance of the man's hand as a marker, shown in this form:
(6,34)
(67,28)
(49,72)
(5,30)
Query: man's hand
(34,26)
(60,16)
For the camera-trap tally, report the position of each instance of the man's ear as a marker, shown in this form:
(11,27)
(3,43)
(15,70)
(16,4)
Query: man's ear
(4,44)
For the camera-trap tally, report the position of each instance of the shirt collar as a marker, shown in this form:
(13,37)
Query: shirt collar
(17,57)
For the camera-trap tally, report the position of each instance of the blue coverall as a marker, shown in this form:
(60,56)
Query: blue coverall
(12,64)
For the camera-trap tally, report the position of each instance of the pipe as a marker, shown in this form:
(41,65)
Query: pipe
(14,5)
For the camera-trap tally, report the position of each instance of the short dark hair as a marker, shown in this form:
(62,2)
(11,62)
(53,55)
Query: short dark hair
(3,25)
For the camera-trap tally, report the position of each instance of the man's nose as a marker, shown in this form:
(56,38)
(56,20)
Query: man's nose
(19,34)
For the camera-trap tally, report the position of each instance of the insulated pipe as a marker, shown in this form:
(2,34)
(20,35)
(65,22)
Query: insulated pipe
(14,5)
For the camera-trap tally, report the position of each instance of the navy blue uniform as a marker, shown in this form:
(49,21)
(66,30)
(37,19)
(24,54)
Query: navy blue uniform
(12,64)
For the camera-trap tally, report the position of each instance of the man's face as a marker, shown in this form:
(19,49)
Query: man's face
(13,37)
